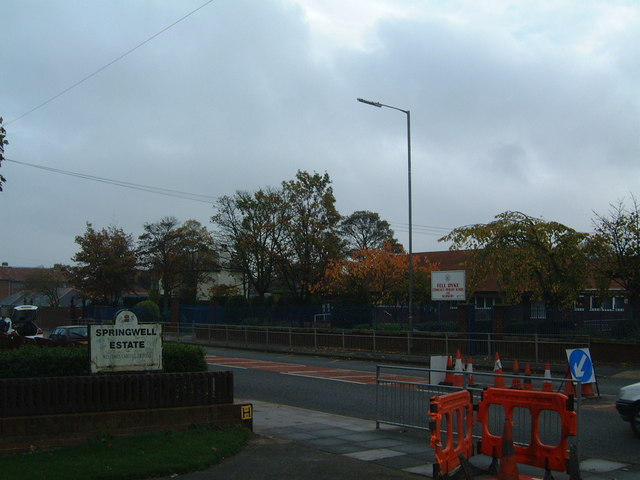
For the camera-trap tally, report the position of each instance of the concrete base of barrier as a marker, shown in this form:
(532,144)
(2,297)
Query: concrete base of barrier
(23,434)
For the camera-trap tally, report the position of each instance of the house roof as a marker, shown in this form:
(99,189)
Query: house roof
(18,274)
(66,296)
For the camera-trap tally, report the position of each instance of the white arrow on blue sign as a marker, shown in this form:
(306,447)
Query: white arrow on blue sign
(581,365)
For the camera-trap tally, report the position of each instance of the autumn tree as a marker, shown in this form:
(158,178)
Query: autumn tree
(105,265)
(180,256)
(253,226)
(197,258)
(311,238)
(45,281)
(372,276)
(365,230)
(615,250)
(531,258)
(158,251)
(3,142)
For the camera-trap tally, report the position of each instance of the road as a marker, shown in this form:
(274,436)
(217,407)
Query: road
(347,387)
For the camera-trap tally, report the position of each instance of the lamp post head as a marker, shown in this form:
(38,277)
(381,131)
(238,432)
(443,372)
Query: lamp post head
(369,102)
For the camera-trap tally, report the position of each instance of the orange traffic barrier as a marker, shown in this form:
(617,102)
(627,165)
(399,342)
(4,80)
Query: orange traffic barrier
(448,378)
(547,386)
(497,370)
(508,469)
(451,424)
(527,377)
(470,380)
(535,453)
(458,377)
(515,382)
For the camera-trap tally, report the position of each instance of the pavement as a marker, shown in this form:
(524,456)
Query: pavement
(295,443)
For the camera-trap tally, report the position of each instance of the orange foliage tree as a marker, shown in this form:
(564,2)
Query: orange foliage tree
(375,276)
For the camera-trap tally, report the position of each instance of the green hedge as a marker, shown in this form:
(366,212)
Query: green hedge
(34,361)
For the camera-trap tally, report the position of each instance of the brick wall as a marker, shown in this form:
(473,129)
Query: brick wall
(23,434)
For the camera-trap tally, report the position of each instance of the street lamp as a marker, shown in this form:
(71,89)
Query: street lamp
(408,113)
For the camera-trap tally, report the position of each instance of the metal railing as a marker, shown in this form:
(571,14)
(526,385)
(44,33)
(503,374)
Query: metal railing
(534,348)
(403,396)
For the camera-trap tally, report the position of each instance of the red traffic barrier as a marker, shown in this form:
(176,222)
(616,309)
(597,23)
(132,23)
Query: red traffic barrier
(535,453)
(451,424)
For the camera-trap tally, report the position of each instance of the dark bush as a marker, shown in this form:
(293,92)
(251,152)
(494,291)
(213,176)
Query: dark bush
(35,361)
(149,311)
(180,357)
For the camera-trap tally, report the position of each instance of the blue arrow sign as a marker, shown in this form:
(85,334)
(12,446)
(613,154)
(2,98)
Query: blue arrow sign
(581,365)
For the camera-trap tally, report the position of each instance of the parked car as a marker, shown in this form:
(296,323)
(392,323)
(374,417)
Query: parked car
(70,334)
(23,322)
(628,406)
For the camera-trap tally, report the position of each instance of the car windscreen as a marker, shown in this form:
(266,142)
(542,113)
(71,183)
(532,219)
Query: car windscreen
(78,333)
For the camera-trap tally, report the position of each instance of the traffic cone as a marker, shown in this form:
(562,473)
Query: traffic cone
(569,387)
(458,378)
(448,378)
(527,377)
(508,469)
(515,382)
(470,381)
(587,390)
(547,386)
(498,380)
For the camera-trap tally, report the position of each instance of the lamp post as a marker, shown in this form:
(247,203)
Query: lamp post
(408,113)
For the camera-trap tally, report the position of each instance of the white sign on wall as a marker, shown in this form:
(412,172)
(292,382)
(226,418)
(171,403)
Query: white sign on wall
(126,345)
(448,285)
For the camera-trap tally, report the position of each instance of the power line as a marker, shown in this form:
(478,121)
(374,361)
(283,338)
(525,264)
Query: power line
(422,229)
(104,67)
(196,197)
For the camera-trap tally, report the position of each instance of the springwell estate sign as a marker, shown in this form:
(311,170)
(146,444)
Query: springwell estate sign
(126,345)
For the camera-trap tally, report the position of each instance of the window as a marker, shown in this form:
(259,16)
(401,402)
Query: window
(609,304)
(538,311)
(484,303)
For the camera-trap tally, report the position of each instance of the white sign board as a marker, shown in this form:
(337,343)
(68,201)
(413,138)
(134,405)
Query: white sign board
(126,345)
(448,285)
(438,362)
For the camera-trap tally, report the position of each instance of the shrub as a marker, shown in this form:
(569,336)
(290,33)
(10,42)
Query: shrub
(149,311)
(180,357)
(33,361)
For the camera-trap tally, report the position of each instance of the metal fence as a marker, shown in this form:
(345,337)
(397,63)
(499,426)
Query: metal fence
(403,396)
(534,348)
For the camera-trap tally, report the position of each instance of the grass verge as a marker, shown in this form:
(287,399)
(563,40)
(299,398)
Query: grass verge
(130,457)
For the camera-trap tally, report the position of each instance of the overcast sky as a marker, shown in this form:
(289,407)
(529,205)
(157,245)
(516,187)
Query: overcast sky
(528,105)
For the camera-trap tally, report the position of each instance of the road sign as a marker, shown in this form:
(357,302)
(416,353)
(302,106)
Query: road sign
(581,365)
